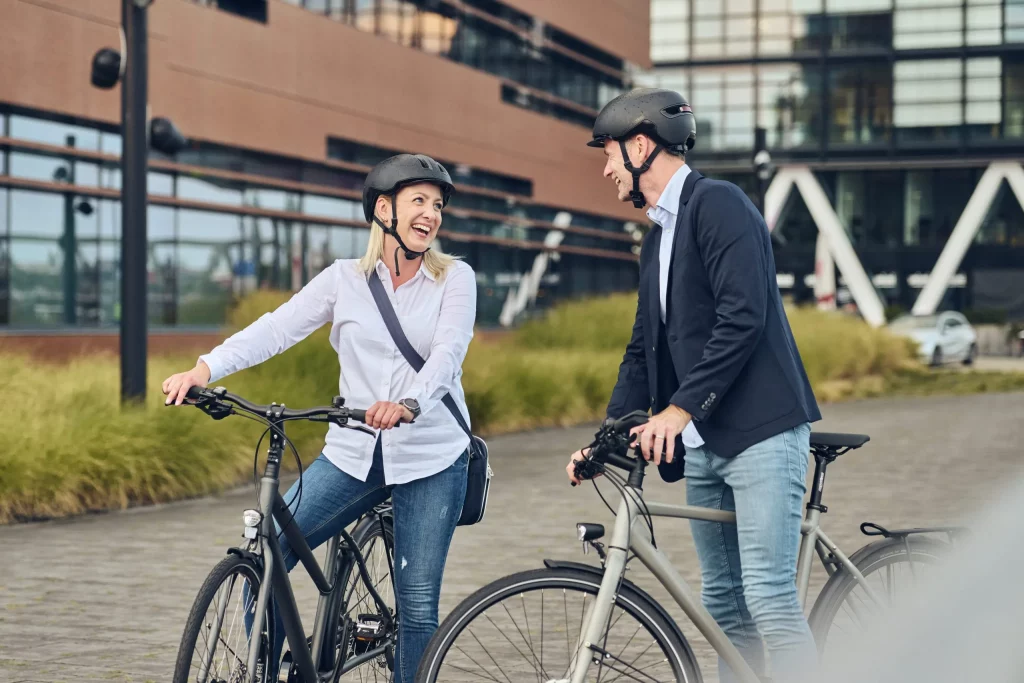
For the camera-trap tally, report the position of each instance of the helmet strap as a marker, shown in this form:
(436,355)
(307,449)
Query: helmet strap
(638,198)
(392,230)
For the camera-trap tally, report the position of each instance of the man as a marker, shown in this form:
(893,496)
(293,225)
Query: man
(713,354)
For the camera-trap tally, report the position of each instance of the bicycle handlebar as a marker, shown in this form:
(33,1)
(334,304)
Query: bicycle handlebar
(218,403)
(610,446)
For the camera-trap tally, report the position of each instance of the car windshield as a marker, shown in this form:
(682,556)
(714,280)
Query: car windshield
(914,322)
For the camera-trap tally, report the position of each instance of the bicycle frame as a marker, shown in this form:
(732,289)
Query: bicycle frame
(275,579)
(632,535)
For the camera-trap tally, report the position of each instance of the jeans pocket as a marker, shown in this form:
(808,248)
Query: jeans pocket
(461,463)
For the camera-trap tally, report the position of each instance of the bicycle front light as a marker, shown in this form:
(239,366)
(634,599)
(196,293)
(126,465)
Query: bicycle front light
(252,520)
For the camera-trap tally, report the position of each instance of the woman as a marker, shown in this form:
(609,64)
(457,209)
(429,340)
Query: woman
(422,466)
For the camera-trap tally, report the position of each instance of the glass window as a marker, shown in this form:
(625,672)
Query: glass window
(52,132)
(933,201)
(36,214)
(790,104)
(36,293)
(1004,223)
(861,30)
(669,9)
(927,97)
(209,190)
(860,109)
(1013,118)
(160,184)
(932,27)
(38,167)
(868,205)
(670,41)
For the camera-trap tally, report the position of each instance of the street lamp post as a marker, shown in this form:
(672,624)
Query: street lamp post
(130,67)
(133,202)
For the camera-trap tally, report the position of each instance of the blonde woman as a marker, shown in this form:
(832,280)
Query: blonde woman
(422,466)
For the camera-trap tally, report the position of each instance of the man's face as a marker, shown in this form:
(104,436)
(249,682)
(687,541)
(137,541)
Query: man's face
(615,167)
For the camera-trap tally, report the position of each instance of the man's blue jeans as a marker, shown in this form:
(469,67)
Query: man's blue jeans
(426,511)
(748,571)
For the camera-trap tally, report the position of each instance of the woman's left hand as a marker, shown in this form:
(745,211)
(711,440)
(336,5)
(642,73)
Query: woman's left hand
(385,415)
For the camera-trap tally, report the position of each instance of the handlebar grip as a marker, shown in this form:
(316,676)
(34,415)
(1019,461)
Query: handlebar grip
(196,392)
(357,415)
(622,461)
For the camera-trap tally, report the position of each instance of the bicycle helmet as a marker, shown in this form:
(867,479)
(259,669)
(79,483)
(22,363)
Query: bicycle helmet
(663,115)
(389,176)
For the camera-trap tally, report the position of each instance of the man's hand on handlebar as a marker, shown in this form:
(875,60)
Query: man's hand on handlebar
(658,434)
(176,386)
(385,415)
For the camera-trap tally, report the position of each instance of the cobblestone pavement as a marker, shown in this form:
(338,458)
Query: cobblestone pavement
(105,597)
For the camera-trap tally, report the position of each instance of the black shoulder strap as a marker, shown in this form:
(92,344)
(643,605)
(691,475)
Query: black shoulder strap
(387,312)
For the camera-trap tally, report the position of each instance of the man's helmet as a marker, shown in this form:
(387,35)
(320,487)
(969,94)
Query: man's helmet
(663,115)
(389,176)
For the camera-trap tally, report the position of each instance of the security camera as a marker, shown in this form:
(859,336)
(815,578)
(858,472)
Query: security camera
(106,68)
(165,137)
(763,164)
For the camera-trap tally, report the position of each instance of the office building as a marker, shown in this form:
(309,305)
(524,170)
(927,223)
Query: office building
(286,105)
(895,128)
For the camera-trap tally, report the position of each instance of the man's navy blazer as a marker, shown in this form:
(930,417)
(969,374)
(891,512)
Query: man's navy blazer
(739,372)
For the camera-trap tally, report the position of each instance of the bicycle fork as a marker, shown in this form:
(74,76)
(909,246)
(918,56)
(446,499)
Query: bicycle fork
(595,621)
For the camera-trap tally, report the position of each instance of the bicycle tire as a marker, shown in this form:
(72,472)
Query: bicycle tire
(364,533)
(871,558)
(630,598)
(225,569)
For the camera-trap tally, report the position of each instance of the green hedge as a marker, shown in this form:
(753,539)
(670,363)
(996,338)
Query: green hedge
(69,448)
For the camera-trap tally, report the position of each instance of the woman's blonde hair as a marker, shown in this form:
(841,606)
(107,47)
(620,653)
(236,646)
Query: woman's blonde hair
(435,260)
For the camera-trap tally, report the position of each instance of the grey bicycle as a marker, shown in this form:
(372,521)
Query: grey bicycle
(230,630)
(572,622)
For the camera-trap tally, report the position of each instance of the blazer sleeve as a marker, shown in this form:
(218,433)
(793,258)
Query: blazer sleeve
(732,247)
(632,389)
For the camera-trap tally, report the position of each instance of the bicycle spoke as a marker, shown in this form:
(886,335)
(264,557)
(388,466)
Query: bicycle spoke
(478,664)
(526,618)
(488,653)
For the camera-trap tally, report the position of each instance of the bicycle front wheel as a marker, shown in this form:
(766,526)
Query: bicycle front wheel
(528,626)
(215,645)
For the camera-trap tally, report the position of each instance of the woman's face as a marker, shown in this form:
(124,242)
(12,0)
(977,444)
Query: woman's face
(419,214)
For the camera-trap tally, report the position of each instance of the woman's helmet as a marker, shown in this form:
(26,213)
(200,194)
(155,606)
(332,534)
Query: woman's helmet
(663,115)
(389,176)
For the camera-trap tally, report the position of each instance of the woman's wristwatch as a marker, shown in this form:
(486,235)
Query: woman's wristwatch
(412,405)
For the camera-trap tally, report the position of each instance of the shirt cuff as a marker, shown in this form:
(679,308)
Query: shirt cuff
(216,371)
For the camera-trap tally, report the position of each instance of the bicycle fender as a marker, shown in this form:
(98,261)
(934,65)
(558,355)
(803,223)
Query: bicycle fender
(599,571)
(248,555)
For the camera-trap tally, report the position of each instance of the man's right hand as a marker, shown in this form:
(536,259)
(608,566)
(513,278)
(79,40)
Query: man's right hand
(176,386)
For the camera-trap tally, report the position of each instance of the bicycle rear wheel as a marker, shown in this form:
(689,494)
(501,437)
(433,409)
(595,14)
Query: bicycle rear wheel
(845,609)
(215,644)
(527,626)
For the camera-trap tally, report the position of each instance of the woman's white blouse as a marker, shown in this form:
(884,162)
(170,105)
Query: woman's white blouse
(438,318)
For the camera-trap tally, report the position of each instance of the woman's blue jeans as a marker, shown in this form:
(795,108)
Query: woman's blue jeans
(425,513)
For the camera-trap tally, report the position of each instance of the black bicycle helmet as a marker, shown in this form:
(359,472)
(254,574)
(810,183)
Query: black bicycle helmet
(663,115)
(389,176)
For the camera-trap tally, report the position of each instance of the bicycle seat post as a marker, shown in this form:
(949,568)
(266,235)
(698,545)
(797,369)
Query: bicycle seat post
(821,462)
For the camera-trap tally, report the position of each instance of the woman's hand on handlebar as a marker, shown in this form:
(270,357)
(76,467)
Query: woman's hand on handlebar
(176,386)
(571,467)
(385,415)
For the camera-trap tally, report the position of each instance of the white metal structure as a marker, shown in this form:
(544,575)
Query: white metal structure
(834,242)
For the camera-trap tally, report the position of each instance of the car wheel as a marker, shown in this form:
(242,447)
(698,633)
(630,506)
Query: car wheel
(936,357)
(972,353)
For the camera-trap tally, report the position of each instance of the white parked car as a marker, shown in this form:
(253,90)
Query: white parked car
(942,338)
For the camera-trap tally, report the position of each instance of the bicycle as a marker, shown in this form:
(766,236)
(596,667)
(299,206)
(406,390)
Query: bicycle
(600,593)
(350,630)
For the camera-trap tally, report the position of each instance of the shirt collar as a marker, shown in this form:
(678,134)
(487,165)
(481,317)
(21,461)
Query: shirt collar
(668,202)
(383,268)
